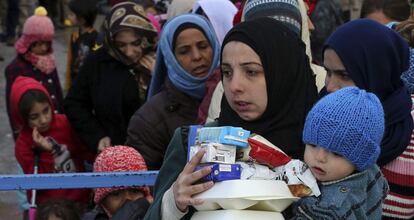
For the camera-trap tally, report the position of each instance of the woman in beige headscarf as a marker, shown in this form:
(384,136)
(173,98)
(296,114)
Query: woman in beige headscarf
(112,83)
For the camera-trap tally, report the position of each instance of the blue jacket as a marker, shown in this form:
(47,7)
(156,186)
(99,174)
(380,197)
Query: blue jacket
(358,196)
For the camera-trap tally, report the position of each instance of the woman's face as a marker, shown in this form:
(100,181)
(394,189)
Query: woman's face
(244,80)
(336,75)
(193,52)
(40,47)
(129,43)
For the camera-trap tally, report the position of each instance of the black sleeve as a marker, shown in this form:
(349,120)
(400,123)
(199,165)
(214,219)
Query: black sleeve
(132,210)
(79,107)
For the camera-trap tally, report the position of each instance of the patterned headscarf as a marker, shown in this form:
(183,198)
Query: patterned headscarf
(128,16)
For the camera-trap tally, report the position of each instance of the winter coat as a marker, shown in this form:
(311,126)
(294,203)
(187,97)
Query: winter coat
(102,99)
(152,126)
(21,67)
(359,196)
(61,131)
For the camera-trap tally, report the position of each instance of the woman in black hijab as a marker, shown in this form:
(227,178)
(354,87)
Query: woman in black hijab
(269,88)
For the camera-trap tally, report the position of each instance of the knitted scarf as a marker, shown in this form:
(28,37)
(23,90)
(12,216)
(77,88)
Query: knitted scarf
(45,63)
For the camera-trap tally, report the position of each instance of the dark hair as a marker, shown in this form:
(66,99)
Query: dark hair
(398,10)
(61,208)
(406,30)
(28,100)
(85,9)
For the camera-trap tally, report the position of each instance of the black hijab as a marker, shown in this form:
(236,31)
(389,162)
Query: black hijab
(375,57)
(290,84)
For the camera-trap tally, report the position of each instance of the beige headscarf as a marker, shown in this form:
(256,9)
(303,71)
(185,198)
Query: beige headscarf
(128,16)
(320,72)
(178,7)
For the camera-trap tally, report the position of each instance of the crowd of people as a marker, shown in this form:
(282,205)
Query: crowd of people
(328,82)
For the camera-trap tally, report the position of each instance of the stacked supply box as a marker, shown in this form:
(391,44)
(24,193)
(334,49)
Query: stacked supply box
(220,145)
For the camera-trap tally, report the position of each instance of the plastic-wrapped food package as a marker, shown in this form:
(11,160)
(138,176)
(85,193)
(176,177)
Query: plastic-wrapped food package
(263,152)
(298,173)
(254,171)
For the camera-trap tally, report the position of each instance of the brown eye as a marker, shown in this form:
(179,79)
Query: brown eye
(226,73)
(203,45)
(119,44)
(46,110)
(33,117)
(136,43)
(182,51)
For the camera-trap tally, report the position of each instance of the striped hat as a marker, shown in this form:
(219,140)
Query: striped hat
(286,11)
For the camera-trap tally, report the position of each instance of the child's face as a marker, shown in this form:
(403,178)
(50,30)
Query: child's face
(117,199)
(325,165)
(151,10)
(73,18)
(40,116)
(40,47)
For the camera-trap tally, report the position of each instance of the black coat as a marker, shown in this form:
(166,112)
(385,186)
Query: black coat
(131,210)
(102,99)
(152,126)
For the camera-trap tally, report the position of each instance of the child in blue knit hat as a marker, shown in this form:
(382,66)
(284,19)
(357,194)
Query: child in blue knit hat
(342,133)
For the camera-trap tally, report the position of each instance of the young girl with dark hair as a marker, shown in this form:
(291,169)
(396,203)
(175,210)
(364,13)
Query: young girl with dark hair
(47,136)
(35,59)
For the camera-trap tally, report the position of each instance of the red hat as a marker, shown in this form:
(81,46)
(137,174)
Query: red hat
(37,27)
(20,86)
(119,159)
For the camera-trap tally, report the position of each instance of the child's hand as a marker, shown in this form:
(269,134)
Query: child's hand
(41,141)
(103,143)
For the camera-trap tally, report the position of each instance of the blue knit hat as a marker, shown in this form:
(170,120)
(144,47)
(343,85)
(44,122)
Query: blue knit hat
(349,122)
(285,11)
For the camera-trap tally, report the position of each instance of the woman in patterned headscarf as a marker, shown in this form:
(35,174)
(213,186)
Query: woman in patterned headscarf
(111,85)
